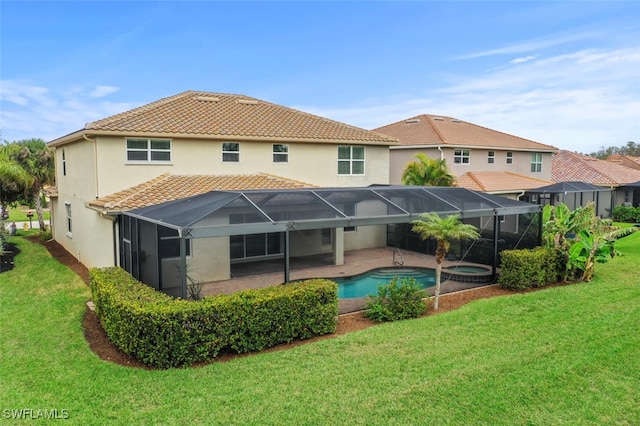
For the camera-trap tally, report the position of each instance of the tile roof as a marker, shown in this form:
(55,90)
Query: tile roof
(439,130)
(222,116)
(625,160)
(499,182)
(571,166)
(168,187)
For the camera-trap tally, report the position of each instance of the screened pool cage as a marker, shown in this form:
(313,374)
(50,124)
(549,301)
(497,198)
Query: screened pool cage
(200,238)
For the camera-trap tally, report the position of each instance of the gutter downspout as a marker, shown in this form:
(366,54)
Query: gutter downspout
(521,194)
(441,152)
(95,159)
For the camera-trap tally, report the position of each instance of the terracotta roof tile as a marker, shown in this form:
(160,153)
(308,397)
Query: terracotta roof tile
(625,160)
(569,166)
(439,130)
(221,115)
(494,182)
(167,187)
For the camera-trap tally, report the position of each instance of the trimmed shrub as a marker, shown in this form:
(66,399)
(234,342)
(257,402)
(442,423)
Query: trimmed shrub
(626,214)
(165,332)
(529,268)
(397,300)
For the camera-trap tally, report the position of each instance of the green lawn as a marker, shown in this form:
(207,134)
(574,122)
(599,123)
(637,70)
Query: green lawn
(565,355)
(19,214)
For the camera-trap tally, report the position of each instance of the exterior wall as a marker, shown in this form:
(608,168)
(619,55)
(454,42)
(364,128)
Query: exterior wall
(477,162)
(311,163)
(91,239)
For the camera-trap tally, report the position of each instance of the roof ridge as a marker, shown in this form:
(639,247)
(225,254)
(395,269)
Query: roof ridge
(478,181)
(435,129)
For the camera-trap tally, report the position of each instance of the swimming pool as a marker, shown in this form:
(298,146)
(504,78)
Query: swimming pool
(366,284)
(470,269)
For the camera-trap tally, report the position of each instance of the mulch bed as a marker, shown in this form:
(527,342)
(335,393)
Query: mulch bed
(100,344)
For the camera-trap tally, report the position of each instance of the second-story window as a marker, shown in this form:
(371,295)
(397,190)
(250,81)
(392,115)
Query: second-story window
(64,164)
(149,150)
(536,162)
(230,152)
(351,160)
(461,156)
(491,157)
(280,153)
(509,157)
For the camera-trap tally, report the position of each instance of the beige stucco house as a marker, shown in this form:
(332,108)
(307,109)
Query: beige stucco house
(482,159)
(196,142)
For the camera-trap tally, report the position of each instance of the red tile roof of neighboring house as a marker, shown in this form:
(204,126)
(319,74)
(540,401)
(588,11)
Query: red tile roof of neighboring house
(570,166)
(220,116)
(499,182)
(168,187)
(431,130)
(625,160)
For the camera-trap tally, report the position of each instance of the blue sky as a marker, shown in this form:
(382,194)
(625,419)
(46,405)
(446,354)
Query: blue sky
(564,73)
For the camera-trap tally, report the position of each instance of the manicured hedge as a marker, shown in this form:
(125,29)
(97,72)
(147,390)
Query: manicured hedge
(529,268)
(626,214)
(165,332)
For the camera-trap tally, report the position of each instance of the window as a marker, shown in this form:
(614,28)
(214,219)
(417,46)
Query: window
(461,156)
(536,162)
(280,153)
(149,150)
(64,164)
(350,160)
(491,157)
(509,157)
(230,152)
(67,206)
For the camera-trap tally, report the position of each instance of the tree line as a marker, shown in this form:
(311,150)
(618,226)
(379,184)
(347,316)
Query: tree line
(631,149)
(26,168)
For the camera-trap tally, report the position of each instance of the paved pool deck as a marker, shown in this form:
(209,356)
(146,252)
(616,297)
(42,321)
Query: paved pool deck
(269,273)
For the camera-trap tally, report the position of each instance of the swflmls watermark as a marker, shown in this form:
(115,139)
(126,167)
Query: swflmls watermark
(35,413)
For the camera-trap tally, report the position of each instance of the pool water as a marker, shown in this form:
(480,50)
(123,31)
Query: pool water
(467,268)
(367,284)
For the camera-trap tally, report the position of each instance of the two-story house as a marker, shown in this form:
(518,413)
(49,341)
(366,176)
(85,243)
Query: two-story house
(482,159)
(196,142)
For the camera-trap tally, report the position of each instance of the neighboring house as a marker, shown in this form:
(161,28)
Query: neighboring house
(570,166)
(481,158)
(625,160)
(196,142)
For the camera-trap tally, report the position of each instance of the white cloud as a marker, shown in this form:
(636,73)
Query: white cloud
(32,111)
(579,101)
(523,59)
(102,91)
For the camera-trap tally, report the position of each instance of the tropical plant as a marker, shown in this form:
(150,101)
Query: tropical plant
(37,163)
(581,237)
(13,178)
(427,171)
(444,231)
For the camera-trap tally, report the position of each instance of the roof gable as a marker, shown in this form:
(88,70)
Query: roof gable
(227,116)
(442,131)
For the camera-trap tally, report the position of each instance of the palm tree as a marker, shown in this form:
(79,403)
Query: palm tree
(427,171)
(13,178)
(37,160)
(444,230)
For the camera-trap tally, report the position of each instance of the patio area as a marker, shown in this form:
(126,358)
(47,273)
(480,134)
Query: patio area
(268,273)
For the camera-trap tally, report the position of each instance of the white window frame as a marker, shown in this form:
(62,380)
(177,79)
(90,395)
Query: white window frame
(64,163)
(149,151)
(280,156)
(536,162)
(462,156)
(67,206)
(351,161)
(232,156)
(491,157)
(509,157)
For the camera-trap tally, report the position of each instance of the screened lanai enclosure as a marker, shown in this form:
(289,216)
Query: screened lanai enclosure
(201,238)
